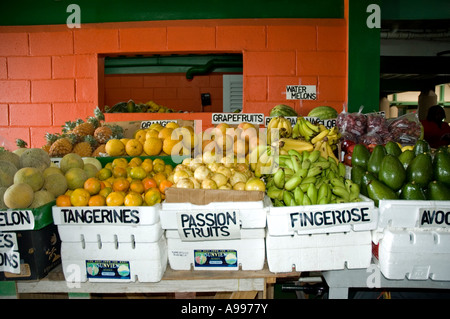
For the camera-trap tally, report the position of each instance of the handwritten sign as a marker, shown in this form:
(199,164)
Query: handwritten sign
(434,217)
(146,124)
(301,92)
(327,218)
(207,225)
(9,253)
(100,215)
(236,118)
(13,219)
(314,120)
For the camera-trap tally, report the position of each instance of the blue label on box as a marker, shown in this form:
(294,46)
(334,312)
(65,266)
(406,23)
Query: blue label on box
(215,258)
(108,269)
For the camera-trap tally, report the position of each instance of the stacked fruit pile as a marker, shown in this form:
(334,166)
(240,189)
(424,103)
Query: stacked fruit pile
(413,174)
(28,180)
(138,182)
(132,107)
(85,138)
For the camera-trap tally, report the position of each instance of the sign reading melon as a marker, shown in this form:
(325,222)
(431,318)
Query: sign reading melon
(301,92)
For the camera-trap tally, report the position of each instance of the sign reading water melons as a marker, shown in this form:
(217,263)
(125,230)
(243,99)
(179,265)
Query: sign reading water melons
(207,225)
(301,92)
(303,220)
(98,215)
(15,219)
(9,253)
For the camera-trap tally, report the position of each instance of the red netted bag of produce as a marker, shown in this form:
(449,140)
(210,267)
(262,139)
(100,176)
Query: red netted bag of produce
(352,125)
(405,129)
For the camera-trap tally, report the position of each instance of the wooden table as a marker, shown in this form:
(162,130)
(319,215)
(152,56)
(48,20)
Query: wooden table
(227,284)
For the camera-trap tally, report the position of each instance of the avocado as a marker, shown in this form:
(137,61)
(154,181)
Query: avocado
(377,191)
(392,173)
(420,170)
(377,155)
(406,157)
(441,167)
(360,156)
(393,148)
(366,178)
(412,191)
(421,146)
(356,174)
(438,191)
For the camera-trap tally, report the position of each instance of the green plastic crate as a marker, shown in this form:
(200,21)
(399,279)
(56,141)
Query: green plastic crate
(171,160)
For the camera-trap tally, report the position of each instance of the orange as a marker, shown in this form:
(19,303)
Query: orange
(147,165)
(153,146)
(159,177)
(163,185)
(114,147)
(134,147)
(158,167)
(148,183)
(172,147)
(168,169)
(138,173)
(165,133)
(152,196)
(158,161)
(115,199)
(68,192)
(79,197)
(133,199)
(135,161)
(97,200)
(105,191)
(119,171)
(119,162)
(104,174)
(120,184)
(92,185)
(139,135)
(106,184)
(63,201)
(137,186)
(151,133)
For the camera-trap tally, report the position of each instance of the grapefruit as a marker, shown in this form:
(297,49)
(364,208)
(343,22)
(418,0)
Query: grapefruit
(75,178)
(55,184)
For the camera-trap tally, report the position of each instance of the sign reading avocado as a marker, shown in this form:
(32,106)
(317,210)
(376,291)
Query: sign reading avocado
(301,92)
(207,225)
(431,217)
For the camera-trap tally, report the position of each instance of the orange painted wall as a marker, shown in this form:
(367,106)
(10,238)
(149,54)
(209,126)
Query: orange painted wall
(171,90)
(52,74)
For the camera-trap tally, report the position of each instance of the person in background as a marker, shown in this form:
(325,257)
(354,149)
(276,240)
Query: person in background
(436,130)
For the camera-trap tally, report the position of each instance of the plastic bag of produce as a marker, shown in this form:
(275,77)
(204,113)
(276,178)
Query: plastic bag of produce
(405,129)
(352,125)
(378,127)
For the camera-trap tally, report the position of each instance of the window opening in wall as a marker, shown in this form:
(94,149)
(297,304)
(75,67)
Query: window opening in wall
(173,83)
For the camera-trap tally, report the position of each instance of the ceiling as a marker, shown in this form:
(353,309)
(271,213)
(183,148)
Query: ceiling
(414,55)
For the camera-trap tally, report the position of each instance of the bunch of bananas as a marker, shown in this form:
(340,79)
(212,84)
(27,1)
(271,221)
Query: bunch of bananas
(307,178)
(278,127)
(263,160)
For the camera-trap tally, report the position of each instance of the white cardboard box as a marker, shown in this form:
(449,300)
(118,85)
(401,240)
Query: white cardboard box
(246,253)
(316,219)
(415,253)
(317,252)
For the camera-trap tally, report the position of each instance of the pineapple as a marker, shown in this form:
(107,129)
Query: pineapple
(68,127)
(103,133)
(51,138)
(99,150)
(84,148)
(82,129)
(62,146)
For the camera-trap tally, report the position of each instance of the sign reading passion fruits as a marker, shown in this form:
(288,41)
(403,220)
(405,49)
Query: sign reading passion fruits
(207,225)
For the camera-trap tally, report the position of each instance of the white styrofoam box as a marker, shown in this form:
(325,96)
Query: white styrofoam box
(227,254)
(317,252)
(327,218)
(252,214)
(114,262)
(413,213)
(416,254)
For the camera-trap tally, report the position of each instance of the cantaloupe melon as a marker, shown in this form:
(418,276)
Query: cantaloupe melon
(52,170)
(90,169)
(75,178)
(2,202)
(11,157)
(69,161)
(35,157)
(31,176)
(55,184)
(18,196)
(41,197)
(7,172)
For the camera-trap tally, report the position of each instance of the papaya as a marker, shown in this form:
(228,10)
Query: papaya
(360,156)
(375,159)
(441,167)
(392,173)
(393,148)
(412,191)
(420,170)
(438,191)
(377,191)
(421,146)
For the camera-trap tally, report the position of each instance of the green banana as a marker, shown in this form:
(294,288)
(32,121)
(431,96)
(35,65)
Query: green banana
(306,200)
(324,165)
(323,201)
(341,167)
(304,187)
(295,163)
(323,191)
(309,180)
(314,156)
(298,195)
(292,183)
(288,163)
(312,193)
(288,199)
(278,178)
(341,192)
(337,182)
(314,171)
(294,152)
(306,163)
(275,193)
(306,155)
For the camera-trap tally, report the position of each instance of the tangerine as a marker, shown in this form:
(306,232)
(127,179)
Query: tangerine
(121,161)
(135,161)
(121,184)
(105,191)
(63,201)
(152,196)
(133,199)
(138,172)
(147,165)
(92,185)
(115,199)
(104,174)
(148,183)
(79,197)
(97,200)
(137,186)
(163,185)
(159,177)
(119,171)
